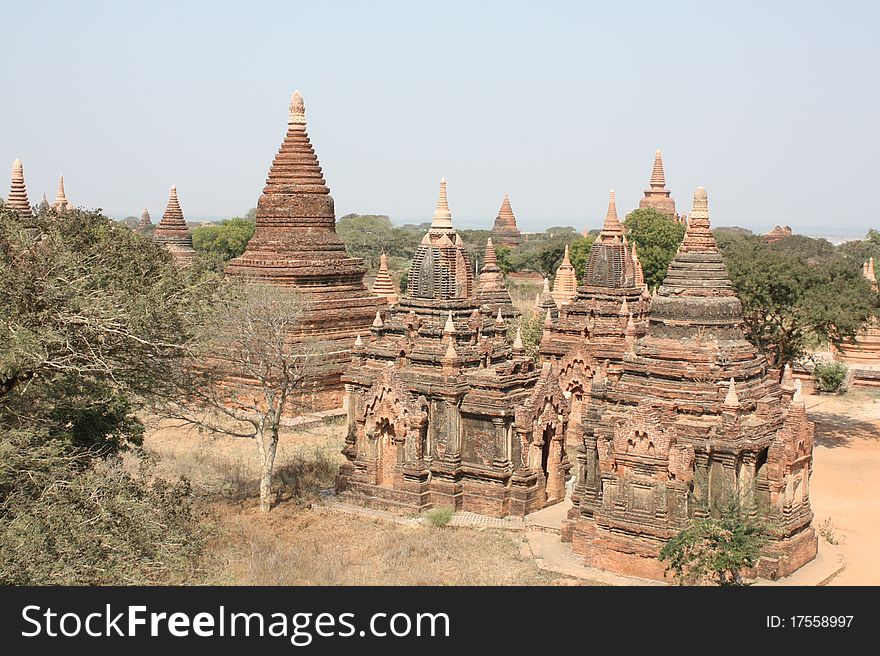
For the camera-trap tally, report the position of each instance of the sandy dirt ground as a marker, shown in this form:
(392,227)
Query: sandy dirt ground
(845,487)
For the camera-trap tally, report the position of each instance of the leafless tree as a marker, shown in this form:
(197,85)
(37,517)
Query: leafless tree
(248,371)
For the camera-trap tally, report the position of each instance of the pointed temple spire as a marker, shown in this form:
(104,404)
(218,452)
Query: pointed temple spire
(611,229)
(499,320)
(565,283)
(505,229)
(449,327)
(657,196)
(358,342)
(44,204)
(640,272)
(442,221)
(17,198)
(377,322)
(490,259)
(172,232)
(518,340)
(61,202)
(383,285)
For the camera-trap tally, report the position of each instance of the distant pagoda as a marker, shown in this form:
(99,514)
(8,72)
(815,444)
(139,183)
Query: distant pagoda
(505,231)
(295,247)
(18,199)
(61,203)
(172,232)
(657,195)
(145,223)
(692,420)
(777,234)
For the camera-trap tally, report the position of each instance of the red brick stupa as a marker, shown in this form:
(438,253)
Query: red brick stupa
(492,294)
(657,195)
(693,420)
(295,246)
(505,231)
(172,232)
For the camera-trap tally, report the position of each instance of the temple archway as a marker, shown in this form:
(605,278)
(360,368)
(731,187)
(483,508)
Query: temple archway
(387,457)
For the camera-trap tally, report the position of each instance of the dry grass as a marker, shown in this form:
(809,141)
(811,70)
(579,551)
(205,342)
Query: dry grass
(522,293)
(301,542)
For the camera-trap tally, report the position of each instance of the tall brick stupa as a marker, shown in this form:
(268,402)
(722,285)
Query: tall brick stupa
(295,247)
(18,199)
(172,232)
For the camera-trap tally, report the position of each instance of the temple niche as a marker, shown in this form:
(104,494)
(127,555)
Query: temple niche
(173,234)
(296,249)
(657,196)
(600,324)
(691,419)
(505,231)
(442,411)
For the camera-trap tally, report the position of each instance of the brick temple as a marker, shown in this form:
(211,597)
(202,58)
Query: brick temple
(692,417)
(505,231)
(492,294)
(442,411)
(777,234)
(295,248)
(61,203)
(172,232)
(596,328)
(145,222)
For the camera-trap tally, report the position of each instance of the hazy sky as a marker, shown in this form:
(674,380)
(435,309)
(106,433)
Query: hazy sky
(772,106)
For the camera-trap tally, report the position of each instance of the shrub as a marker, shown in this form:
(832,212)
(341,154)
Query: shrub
(440,516)
(829,376)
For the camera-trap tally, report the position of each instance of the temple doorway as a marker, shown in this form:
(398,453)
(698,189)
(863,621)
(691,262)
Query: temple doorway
(550,463)
(387,453)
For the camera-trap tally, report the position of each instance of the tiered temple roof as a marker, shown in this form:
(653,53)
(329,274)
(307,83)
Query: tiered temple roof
(442,411)
(295,246)
(383,285)
(692,419)
(172,232)
(505,230)
(657,195)
(61,202)
(492,294)
(18,199)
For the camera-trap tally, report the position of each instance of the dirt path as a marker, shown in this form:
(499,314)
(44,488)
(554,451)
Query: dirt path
(845,486)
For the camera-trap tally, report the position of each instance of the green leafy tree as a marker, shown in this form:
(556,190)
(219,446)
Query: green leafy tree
(716,550)
(226,240)
(793,294)
(532,326)
(94,320)
(503,255)
(657,238)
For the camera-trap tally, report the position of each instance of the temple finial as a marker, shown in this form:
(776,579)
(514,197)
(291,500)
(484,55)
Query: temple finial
(658,177)
(297,109)
(611,229)
(442,215)
(449,327)
(518,340)
(377,322)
